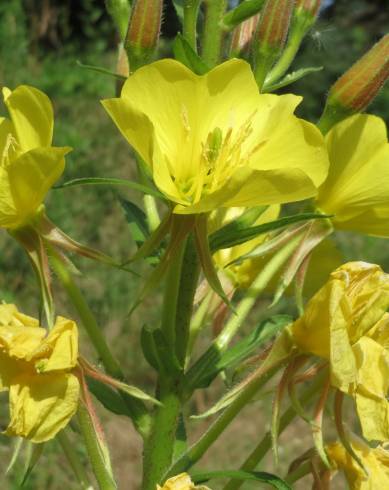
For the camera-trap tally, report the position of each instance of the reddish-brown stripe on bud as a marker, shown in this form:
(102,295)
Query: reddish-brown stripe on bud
(143,30)
(243,35)
(360,84)
(309,6)
(274,23)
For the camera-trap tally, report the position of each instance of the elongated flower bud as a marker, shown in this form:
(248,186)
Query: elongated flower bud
(357,88)
(119,10)
(242,36)
(309,7)
(271,35)
(143,31)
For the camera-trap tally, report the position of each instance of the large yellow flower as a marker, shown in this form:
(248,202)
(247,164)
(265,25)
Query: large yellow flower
(347,324)
(181,482)
(357,187)
(29,165)
(375,461)
(36,368)
(214,141)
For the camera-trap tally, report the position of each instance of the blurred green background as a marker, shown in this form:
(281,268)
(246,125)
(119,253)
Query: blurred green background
(40,42)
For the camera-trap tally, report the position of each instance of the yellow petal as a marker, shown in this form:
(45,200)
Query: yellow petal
(59,350)
(9,369)
(372,387)
(42,405)
(357,187)
(31,175)
(208,146)
(376,461)
(32,116)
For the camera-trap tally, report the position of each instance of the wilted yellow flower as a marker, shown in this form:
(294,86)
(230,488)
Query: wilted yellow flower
(375,461)
(36,368)
(347,324)
(357,187)
(181,482)
(29,165)
(242,274)
(213,141)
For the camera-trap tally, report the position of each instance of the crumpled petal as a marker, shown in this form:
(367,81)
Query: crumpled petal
(40,406)
(376,461)
(181,482)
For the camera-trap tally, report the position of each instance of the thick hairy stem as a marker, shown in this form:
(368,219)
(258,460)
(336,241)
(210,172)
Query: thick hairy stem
(213,32)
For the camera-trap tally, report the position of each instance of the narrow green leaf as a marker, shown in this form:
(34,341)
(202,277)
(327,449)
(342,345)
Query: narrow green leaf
(221,239)
(137,221)
(108,397)
(19,441)
(101,70)
(272,480)
(184,53)
(244,11)
(203,373)
(110,181)
(181,442)
(34,453)
(290,78)
(179,8)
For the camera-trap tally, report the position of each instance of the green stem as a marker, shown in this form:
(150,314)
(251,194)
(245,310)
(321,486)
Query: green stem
(256,456)
(213,32)
(257,287)
(96,457)
(74,461)
(198,321)
(193,455)
(191,12)
(151,210)
(136,408)
(177,311)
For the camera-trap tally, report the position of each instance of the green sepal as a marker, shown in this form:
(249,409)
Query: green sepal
(221,239)
(261,476)
(290,78)
(184,53)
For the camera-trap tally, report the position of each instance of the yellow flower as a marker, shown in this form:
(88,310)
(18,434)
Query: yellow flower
(29,165)
(214,141)
(357,187)
(36,368)
(242,274)
(375,461)
(347,324)
(181,482)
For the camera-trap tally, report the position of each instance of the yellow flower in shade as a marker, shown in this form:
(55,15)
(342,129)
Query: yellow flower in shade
(214,141)
(244,273)
(181,482)
(29,165)
(347,324)
(375,461)
(36,369)
(357,187)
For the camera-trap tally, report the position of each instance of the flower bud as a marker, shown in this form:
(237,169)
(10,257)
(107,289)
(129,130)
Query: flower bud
(356,88)
(143,31)
(271,35)
(307,7)
(242,36)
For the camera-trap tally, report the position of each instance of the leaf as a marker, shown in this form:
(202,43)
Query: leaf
(158,352)
(184,53)
(101,70)
(179,8)
(34,453)
(290,78)
(205,370)
(244,11)
(109,398)
(110,181)
(19,441)
(205,257)
(181,441)
(272,480)
(221,239)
